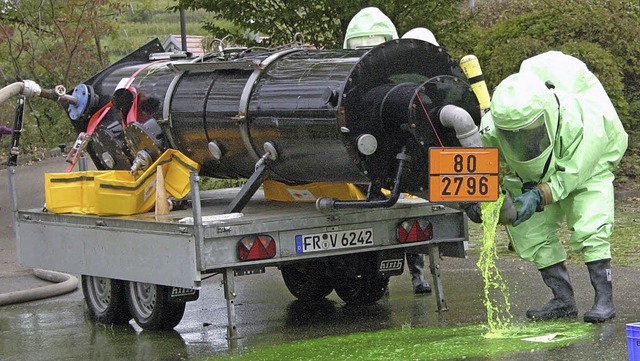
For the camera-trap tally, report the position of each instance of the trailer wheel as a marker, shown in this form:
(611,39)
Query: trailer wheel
(307,281)
(150,306)
(356,280)
(106,300)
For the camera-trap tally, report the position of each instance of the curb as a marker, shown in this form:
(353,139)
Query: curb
(26,159)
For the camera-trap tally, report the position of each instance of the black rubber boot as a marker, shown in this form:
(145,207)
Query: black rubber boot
(602,310)
(562,304)
(415,262)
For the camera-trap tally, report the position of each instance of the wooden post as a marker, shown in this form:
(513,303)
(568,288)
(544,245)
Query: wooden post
(162,204)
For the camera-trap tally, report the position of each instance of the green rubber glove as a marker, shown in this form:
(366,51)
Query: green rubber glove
(529,201)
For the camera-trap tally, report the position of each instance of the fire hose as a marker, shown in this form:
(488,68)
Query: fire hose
(64,283)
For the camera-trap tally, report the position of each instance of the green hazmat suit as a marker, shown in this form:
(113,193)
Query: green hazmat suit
(565,139)
(369,27)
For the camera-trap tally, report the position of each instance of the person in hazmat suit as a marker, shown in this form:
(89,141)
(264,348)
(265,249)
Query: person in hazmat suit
(471,209)
(416,261)
(560,135)
(423,34)
(5,130)
(368,28)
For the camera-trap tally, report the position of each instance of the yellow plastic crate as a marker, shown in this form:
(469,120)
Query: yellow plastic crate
(117,192)
(71,192)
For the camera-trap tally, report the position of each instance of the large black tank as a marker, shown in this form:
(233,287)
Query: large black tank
(331,115)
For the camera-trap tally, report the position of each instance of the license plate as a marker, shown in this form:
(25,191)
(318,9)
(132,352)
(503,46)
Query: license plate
(334,240)
(463,174)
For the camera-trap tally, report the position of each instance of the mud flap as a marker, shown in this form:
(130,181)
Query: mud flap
(390,262)
(179,294)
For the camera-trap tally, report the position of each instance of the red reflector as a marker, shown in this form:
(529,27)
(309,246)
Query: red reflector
(415,230)
(256,247)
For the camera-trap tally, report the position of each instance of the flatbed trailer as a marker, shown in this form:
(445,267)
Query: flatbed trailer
(146,266)
(400,116)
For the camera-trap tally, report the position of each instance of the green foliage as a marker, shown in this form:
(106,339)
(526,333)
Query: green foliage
(512,53)
(322,23)
(601,33)
(53,42)
(64,42)
(207,183)
(50,42)
(138,23)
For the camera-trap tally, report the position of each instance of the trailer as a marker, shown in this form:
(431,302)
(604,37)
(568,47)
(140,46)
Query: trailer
(148,266)
(399,117)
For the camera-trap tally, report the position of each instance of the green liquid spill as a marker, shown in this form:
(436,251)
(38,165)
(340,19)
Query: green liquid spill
(496,292)
(441,343)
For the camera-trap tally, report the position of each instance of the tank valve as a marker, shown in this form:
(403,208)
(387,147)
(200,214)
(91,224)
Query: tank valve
(142,161)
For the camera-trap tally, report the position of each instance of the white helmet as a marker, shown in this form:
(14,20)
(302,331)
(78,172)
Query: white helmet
(423,34)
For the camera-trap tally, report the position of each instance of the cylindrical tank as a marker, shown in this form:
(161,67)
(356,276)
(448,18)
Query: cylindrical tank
(332,115)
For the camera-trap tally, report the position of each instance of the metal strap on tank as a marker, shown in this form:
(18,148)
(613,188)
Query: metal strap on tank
(165,123)
(241,118)
(166,119)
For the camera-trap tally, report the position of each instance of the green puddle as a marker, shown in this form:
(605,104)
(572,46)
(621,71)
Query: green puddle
(441,343)
(499,336)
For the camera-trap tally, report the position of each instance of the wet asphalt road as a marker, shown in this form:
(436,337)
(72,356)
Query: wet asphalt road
(58,328)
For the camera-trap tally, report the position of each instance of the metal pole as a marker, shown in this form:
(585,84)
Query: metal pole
(183,29)
(434,265)
(196,208)
(13,161)
(11,170)
(230,295)
(82,164)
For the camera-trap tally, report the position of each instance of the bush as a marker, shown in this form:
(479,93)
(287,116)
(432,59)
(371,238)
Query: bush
(604,34)
(603,64)
(512,53)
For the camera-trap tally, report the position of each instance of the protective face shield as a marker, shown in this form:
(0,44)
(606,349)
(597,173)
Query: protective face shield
(423,34)
(365,41)
(369,27)
(526,143)
(525,114)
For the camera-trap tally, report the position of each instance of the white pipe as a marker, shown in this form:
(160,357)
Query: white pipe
(452,116)
(10,90)
(64,284)
(27,88)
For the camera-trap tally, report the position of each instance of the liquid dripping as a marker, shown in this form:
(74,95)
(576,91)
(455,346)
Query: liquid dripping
(496,291)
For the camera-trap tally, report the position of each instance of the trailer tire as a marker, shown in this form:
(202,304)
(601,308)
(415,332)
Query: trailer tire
(106,300)
(150,306)
(307,281)
(356,280)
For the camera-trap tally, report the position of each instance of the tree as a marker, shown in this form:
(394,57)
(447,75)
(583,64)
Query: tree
(52,42)
(322,22)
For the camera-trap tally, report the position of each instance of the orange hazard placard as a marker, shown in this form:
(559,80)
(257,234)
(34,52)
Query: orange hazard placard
(463,174)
